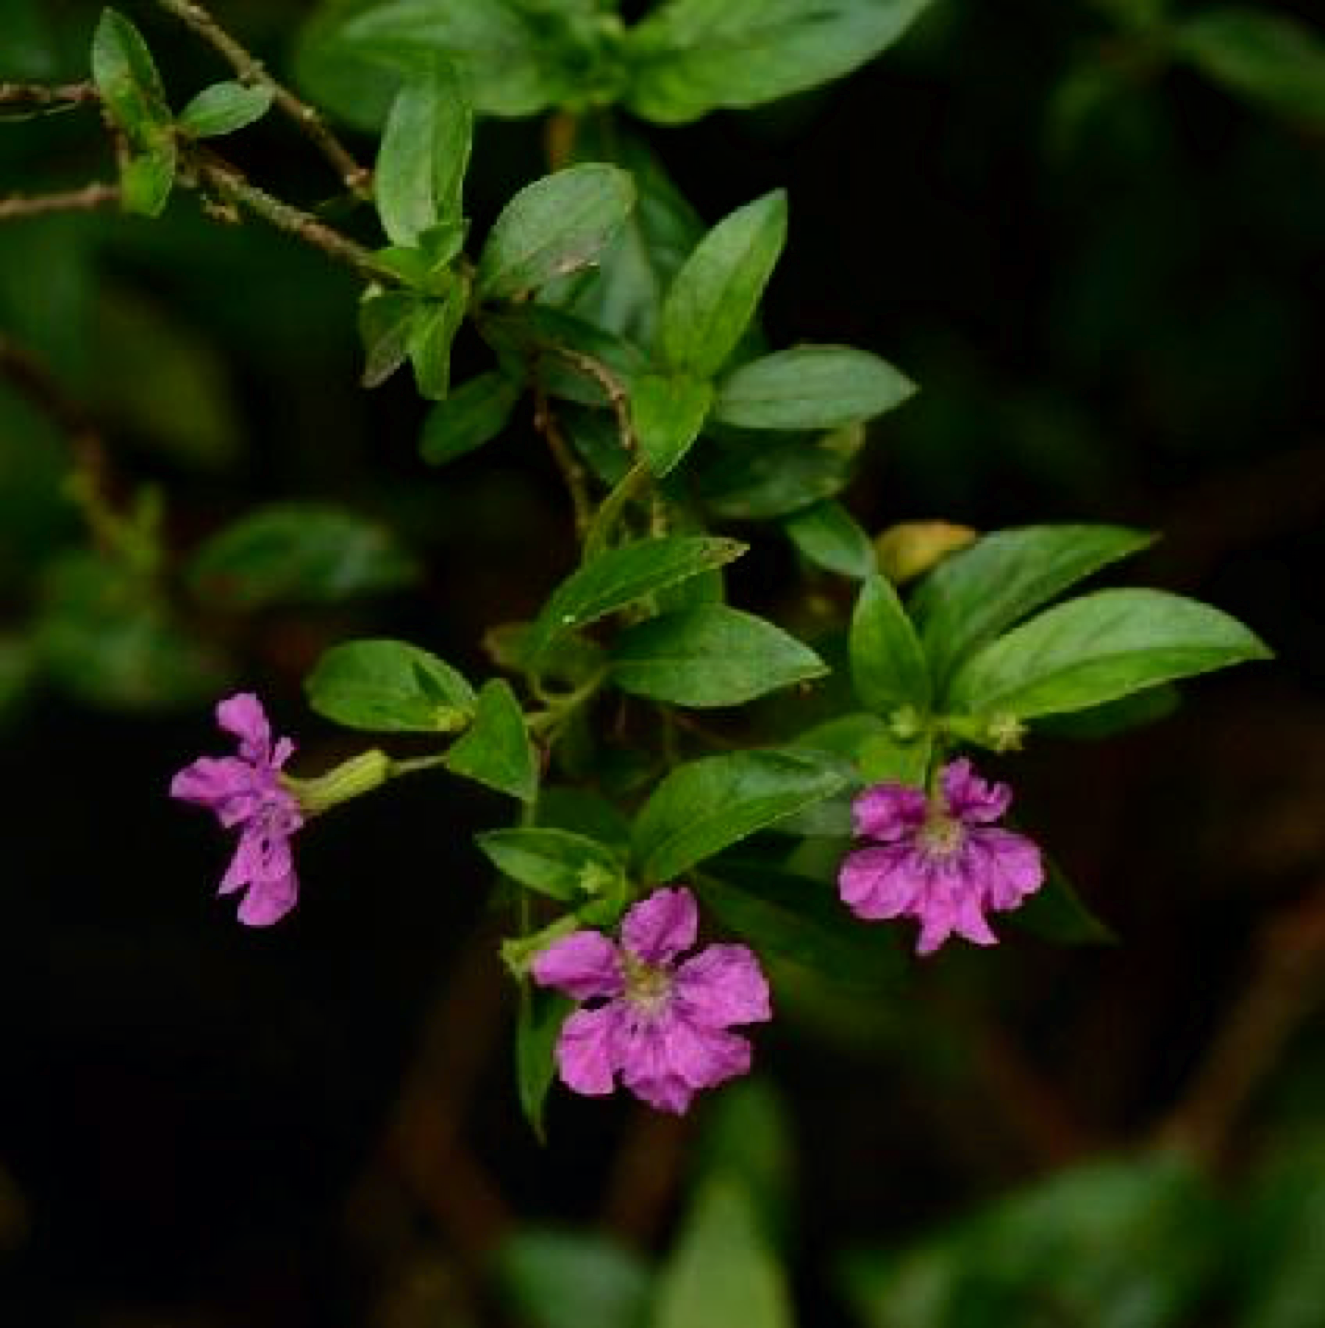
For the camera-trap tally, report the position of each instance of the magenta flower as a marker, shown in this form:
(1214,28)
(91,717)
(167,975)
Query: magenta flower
(943,861)
(246,791)
(661,1027)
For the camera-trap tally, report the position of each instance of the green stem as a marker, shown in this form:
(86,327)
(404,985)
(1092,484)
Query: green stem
(635,481)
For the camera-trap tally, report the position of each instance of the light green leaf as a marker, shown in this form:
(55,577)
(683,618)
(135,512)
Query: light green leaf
(888,667)
(425,150)
(553,226)
(689,57)
(623,576)
(1098,647)
(298,553)
(558,863)
(389,687)
(810,387)
(980,591)
(668,413)
(432,330)
(709,656)
(827,535)
(224,108)
(473,414)
(568,1279)
(496,750)
(385,321)
(722,1272)
(704,806)
(714,295)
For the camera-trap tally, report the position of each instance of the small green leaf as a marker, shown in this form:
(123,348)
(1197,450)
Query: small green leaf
(668,413)
(473,414)
(298,553)
(709,656)
(827,535)
(432,328)
(389,687)
(979,591)
(538,1026)
(888,667)
(496,750)
(1098,647)
(810,387)
(224,108)
(557,863)
(623,576)
(569,1279)
(723,1272)
(385,321)
(553,226)
(425,150)
(704,806)
(570,659)
(714,296)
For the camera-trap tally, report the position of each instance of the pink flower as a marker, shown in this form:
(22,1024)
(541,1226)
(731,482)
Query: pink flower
(943,861)
(661,1027)
(245,791)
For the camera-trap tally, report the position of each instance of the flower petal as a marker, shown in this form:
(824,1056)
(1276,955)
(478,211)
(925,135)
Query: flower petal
(1008,867)
(970,798)
(212,781)
(269,900)
(243,715)
(664,1060)
(658,928)
(889,811)
(969,921)
(586,1056)
(881,882)
(720,986)
(583,965)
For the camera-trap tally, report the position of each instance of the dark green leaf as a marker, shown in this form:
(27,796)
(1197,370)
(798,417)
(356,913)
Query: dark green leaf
(623,576)
(585,813)
(558,863)
(385,321)
(496,750)
(389,686)
(298,553)
(1114,717)
(569,659)
(542,1014)
(543,335)
(1098,647)
(810,387)
(564,1279)
(424,153)
(888,667)
(553,226)
(668,413)
(983,589)
(474,414)
(704,806)
(432,328)
(1055,912)
(713,297)
(224,108)
(828,536)
(709,656)
(689,57)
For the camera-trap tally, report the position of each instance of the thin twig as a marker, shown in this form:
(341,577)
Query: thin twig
(46,94)
(616,394)
(86,199)
(572,472)
(357,178)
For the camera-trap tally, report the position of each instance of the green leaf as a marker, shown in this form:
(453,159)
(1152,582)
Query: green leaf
(980,591)
(570,659)
(1114,717)
(1098,647)
(810,387)
(298,553)
(585,813)
(132,92)
(801,921)
(553,226)
(432,328)
(1270,59)
(473,414)
(722,1272)
(622,576)
(557,863)
(704,806)
(224,108)
(713,297)
(888,667)
(1056,913)
(569,1279)
(827,536)
(354,54)
(668,413)
(537,1028)
(689,57)
(709,656)
(385,321)
(389,687)
(496,750)
(425,150)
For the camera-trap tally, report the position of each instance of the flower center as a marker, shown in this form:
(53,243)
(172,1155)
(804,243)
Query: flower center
(647,986)
(942,836)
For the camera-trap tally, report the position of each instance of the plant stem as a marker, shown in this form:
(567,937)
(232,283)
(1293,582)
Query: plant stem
(636,479)
(410,765)
(46,94)
(86,199)
(571,471)
(357,179)
(616,394)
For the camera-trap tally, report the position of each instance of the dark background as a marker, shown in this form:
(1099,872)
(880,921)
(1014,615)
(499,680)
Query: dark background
(1114,313)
